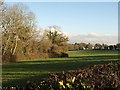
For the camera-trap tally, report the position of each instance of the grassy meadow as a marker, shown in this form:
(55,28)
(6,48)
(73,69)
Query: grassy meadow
(19,73)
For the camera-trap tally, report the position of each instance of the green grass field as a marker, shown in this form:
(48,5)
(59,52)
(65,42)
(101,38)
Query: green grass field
(19,72)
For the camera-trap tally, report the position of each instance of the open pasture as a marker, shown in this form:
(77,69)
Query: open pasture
(19,73)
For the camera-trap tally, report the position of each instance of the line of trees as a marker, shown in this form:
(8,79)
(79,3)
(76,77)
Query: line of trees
(97,46)
(21,38)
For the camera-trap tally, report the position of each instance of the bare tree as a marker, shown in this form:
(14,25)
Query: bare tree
(18,24)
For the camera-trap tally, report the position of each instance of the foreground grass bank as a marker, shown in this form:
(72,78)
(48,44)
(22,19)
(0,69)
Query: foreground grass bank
(18,73)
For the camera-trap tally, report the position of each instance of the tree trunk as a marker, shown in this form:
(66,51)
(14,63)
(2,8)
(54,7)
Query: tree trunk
(14,50)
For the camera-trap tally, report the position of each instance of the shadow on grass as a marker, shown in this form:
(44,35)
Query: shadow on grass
(44,69)
(72,59)
(54,65)
(22,82)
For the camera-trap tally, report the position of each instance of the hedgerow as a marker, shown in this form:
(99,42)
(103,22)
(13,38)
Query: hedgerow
(105,76)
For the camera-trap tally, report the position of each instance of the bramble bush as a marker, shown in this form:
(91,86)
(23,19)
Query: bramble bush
(105,76)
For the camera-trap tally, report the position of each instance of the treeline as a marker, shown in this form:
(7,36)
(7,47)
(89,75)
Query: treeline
(88,46)
(21,38)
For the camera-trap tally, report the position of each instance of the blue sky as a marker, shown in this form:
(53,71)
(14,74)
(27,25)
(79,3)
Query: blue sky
(79,17)
(82,18)
(74,18)
(61,0)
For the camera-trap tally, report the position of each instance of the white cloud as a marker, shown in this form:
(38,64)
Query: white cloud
(93,38)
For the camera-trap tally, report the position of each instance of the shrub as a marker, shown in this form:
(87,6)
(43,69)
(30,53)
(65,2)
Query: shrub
(64,54)
(106,76)
(8,57)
